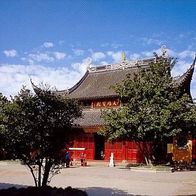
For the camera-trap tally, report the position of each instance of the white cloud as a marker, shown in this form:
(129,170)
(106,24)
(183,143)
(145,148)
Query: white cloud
(172,53)
(47,57)
(135,56)
(59,55)
(13,76)
(180,68)
(116,56)
(104,63)
(115,45)
(48,44)
(105,45)
(186,53)
(193,89)
(78,52)
(40,57)
(150,41)
(10,53)
(159,51)
(98,55)
(150,53)
(82,67)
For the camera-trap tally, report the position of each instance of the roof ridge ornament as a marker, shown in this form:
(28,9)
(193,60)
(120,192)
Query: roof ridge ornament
(123,62)
(164,50)
(89,64)
(123,57)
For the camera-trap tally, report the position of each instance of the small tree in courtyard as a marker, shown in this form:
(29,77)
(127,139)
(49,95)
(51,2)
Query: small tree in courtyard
(153,108)
(36,129)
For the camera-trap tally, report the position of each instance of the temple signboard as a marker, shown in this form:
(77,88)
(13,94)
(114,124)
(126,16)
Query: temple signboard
(106,103)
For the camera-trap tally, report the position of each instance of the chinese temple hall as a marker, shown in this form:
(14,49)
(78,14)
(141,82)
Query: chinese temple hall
(94,93)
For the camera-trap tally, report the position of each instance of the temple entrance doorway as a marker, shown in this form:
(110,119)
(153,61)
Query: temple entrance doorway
(99,146)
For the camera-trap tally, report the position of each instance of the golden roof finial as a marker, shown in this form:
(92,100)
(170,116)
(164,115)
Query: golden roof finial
(123,57)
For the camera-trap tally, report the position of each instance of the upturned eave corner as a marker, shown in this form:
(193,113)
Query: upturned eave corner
(70,90)
(185,79)
(38,91)
(35,88)
(194,61)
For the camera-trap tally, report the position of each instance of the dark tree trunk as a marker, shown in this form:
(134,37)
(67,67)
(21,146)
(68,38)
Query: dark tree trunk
(46,172)
(34,178)
(40,173)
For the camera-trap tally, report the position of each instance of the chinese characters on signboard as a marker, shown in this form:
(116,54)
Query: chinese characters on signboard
(105,104)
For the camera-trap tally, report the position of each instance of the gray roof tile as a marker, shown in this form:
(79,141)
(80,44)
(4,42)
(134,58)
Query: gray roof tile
(90,117)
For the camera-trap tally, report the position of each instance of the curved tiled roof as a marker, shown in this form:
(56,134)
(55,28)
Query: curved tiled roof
(186,76)
(184,80)
(98,81)
(98,84)
(90,118)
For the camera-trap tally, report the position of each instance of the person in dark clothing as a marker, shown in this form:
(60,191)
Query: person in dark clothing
(82,159)
(67,159)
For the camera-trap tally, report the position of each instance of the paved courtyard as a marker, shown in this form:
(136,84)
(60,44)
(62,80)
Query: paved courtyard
(101,180)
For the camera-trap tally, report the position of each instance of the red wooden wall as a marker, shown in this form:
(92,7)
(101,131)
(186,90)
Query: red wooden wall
(116,148)
(83,141)
(126,150)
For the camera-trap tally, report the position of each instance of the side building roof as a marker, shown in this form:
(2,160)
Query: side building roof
(90,118)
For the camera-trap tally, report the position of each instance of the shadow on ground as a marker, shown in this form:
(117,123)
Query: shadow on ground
(9,185)
(100,191)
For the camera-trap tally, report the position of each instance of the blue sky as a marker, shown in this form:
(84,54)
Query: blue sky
(54,41)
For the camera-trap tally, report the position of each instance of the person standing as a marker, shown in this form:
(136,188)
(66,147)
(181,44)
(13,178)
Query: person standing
(82,159)
(67,158)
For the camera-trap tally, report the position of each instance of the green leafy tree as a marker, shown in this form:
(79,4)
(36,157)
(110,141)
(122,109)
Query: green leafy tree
(36,129)
(153,108)
(3,102)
